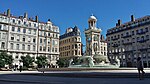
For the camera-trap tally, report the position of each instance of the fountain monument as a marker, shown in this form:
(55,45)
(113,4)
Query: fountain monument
(93,57)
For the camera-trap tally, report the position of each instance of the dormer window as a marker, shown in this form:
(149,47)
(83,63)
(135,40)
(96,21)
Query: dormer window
(34,25)
(13,20)
(19,22)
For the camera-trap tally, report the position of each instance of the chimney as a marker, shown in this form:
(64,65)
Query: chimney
(119,22)
(132,18)
(25,15)
(36,18)
(116,24)
(8,12)
(4,13)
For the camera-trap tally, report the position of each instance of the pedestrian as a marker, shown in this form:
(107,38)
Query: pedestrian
(20,66)
(140,68)
(12,67)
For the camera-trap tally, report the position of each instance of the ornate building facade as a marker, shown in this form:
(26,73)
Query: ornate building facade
(130,40)
(70,43)
(21,36)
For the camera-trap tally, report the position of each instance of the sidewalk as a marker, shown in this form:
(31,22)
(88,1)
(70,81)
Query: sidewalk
(84,74)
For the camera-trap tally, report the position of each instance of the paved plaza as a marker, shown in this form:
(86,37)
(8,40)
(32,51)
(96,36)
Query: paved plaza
(87,77)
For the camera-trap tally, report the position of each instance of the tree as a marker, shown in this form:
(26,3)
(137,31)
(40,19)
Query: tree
(41,61)
(27,60)
(5,59)
(63,62)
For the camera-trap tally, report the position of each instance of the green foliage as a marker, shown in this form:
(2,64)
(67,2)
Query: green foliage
(41,61)
(27,60)
(63,62)
(5,59)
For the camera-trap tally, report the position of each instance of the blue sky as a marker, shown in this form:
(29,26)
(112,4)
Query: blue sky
(68,13)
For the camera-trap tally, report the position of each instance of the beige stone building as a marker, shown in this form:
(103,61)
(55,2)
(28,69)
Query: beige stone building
(21,36)
(70,43)
(103,45)
(130,40)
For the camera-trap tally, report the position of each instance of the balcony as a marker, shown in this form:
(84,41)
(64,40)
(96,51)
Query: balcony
(127,43)
(128,27)
(140,33)
(126,36)
(115,45)
(143,49)
(127,51)
(115,52)
(115,39)
(143,41)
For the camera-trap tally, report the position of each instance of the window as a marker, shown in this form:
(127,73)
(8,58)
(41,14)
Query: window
(13,29)
(19,22)
(45,41)
(44,48)
(137,31)
(146,29)
(29,31)
(24,30)
(75,52)
(18,38)
(11,45)
(55,49)
(3,45)
(34,40)
(132,32)
(147,37)
(23,46)
(24,23)
(121,35)
(23,39)
(52,49)
(12,38)
(141,30)
(29,39)
(142,38)
(48,34)
(0,27)
(48,49)
(34,32)
(28,47)
(33,47)
(17,46)
(53,42)
(127,34)
(40,40)
(4,35)
(30,24)
(137,39)
(40,48)
(13,20)
(76,46)
(34,25)
(118,36)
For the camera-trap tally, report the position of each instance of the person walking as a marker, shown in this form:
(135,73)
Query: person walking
(20,66)
(140,68)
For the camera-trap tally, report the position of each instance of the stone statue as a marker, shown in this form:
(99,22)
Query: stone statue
(70,62)
(91,63)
